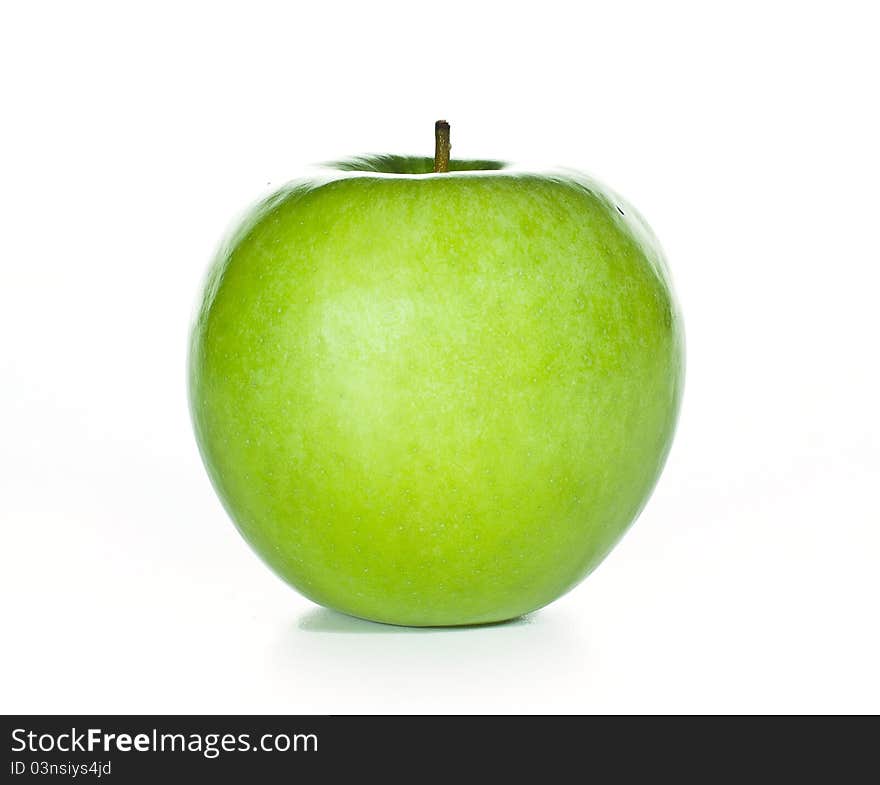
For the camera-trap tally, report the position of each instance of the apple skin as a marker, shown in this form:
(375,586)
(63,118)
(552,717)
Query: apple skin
(436,399)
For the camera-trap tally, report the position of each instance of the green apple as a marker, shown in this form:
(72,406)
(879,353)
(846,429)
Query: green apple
(436,398)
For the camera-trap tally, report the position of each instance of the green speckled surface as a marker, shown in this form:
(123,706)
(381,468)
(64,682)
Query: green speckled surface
(436,399)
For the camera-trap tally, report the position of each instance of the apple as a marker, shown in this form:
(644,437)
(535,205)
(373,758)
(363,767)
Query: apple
(436,392)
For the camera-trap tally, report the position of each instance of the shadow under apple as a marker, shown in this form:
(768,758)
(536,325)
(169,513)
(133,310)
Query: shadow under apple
(324,620)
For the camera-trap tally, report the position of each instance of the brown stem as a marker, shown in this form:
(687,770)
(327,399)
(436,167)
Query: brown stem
(441,146)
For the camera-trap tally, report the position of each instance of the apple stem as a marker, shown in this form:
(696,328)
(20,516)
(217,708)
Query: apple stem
(442,146)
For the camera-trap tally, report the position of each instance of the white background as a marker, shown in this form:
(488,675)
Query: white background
(747,134)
